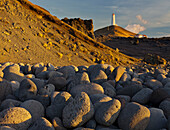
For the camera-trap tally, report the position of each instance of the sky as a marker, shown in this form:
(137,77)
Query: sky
(149,17)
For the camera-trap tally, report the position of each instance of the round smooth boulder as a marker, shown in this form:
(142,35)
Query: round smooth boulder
(35,108)
(157,119)
(90,89)
(143,96)
(154,84)
(27,90)
(7,103)
(78,111)
(58,82)
(5,89)
(134,117)
(41,124)
(108,112)
(17,117)
(6,128)
(117,73)
(98,77)
(58,125)
(165,106)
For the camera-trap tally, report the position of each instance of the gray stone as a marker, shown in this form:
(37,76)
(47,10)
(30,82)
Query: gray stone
(160,77)
(91,124)
(82,69)
(167,85)
(130,89)
(12,73)
(42,75)
(27,90)
(157,119)
(117,73)
(43,99)
(98,77)
(35,108)
(109,70)
(5,89)
(54,74)
(125,77)
(159,71)
(67,71)
(53,95)
(58,82)
(40,69)
(108,112)
(37,65)
(154,84)
(82,128)
(17,117)
(50,67)
(15,85)
(124,100)
(159,95)
(90,89)
(134,117)
(109,89)
(58,125)
(165,106)
(27,69)
(7,103)
(143,96)
(96,68)
(101,127)
(57,106)
(6,128)
(78,111)
(165,81)
(47,90)
(168,126)
(78,78)
(41,124)
(38,82)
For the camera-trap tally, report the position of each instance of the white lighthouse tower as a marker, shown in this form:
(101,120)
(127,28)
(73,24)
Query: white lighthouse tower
(113,22)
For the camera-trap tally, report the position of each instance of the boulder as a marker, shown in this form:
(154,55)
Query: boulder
(58,82)
(67,71)
(159,95)
(91,124)
(57,106)
(41,124)
(90,89)
(117,73)
(78,78)
(167,85)
(154,84)
(143,96)
(7,103)
(17,117)
(27,90)
(134,117)
(6,128)
(157,119)
(124,100)
(108,112)
(12,73)
(35,108)
(165,106)
(5,89)
(98,77)
(78,111)
(109,89)
(58,125)
(130,89)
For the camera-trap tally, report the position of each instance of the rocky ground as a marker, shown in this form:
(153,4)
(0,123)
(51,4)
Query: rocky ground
(96,97)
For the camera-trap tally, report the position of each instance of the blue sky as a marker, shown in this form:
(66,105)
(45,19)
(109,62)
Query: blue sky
(150,17)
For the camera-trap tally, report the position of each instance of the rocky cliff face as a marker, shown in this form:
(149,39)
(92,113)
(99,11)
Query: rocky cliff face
(85,26)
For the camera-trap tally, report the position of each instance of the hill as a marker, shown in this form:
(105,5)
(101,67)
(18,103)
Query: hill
(113,31)
(30,34)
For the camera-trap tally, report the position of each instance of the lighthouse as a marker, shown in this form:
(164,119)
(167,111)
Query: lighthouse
(113,22)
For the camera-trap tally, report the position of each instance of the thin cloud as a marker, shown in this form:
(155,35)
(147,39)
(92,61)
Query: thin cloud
(140,18)
(136,28)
